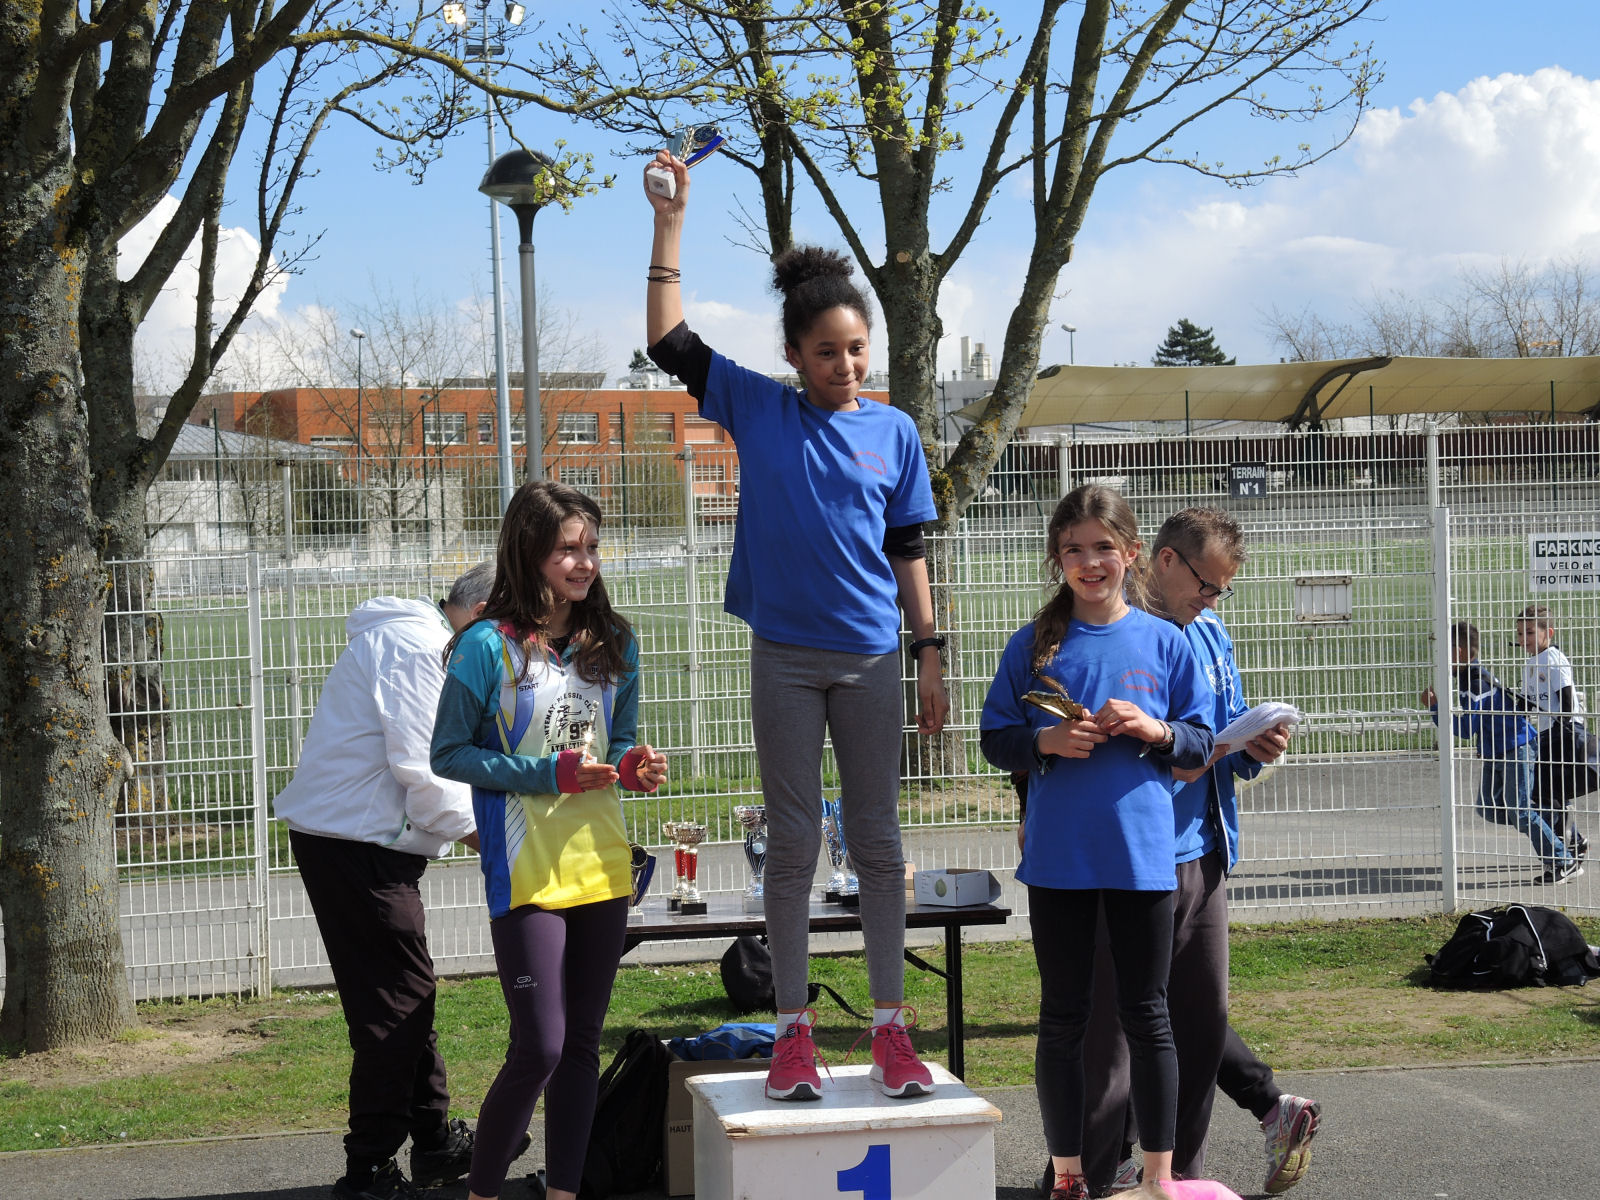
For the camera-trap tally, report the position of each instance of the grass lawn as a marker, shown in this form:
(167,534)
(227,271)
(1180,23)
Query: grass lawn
(1306,995)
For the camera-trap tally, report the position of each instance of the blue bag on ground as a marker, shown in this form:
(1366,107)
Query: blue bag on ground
(736,1039)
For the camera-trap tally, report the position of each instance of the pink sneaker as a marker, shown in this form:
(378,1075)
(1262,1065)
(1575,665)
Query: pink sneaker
(896,1069)
(793,1073)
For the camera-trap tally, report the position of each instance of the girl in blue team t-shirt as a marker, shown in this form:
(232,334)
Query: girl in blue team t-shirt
(827,551)
(1098,831)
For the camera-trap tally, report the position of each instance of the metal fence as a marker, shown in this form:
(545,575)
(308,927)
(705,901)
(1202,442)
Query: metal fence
(1363,547)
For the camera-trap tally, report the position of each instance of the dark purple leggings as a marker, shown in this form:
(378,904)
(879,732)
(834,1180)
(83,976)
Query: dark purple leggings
(556,968)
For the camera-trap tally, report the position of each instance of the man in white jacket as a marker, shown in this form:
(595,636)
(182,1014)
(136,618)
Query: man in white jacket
(365,814)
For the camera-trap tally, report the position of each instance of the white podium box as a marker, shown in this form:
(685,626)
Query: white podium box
(854,1142)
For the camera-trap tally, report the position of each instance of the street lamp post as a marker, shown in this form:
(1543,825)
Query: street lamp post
(484,51)
(422,416)
(361,446)
(519,179)
(1072,349)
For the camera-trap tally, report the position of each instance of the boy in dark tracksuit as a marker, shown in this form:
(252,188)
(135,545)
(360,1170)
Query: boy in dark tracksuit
(1509,747)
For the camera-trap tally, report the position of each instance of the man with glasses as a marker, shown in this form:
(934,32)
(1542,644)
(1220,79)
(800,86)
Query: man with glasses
(1193,561)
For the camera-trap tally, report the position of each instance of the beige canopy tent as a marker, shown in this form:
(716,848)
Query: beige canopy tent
(1303,394)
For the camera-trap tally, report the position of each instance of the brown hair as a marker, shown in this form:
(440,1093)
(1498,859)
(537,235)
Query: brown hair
(1193,532)
(521,596)
(1095,502)
(1465,633)
(1537,614)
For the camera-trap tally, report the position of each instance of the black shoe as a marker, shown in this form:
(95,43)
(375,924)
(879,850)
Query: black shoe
(1580,846)
(1562,872)
(537,1189)
(446,1162)
(386,1183)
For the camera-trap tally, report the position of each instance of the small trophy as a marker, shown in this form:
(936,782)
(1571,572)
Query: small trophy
(754,819)
(693,143)
(686,837)
(642,867)
(843,886)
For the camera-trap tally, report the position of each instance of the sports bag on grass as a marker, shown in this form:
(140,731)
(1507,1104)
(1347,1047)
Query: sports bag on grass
(747,978)
(625,1145)
(1516,946)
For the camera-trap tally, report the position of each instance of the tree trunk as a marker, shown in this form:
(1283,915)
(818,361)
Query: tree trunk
(60,767)
(136,698)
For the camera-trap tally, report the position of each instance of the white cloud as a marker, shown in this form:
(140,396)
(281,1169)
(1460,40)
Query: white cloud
(165,340)
(1504,167)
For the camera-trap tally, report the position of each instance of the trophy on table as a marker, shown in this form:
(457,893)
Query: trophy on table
(753,818)
(642,868)
(686,837)
(692,143)
(843,886)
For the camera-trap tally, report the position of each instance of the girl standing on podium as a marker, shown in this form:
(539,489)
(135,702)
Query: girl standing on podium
(1099,827)
(827,551)
(539,713)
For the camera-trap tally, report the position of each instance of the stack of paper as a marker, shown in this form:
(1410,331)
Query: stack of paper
(1256,722)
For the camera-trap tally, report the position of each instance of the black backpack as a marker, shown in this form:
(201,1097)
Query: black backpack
(625,1141)
(747,978)
(1516,946)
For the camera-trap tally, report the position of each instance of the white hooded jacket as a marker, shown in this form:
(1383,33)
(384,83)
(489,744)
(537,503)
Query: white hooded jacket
(363,773)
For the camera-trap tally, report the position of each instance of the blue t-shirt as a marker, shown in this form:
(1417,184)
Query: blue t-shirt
(817,491)
(1105,821)
(1207,810)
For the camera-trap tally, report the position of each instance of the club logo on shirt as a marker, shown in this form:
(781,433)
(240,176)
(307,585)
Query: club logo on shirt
(1137,680)
(568,722)
(871,461)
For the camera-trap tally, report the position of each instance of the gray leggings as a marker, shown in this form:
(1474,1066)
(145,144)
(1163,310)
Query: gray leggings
(795,693)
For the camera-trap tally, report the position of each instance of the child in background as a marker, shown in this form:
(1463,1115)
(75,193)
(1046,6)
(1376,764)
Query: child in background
(1550,687)
(539,713)
(1508,746)
(1099,826)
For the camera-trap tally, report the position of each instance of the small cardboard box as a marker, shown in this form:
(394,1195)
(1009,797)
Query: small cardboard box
(678,1144)
(957,886)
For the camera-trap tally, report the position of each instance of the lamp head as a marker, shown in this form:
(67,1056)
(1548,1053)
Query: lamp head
(357,334)
(1069,329)
(515,13)
(521,180)
(455,13)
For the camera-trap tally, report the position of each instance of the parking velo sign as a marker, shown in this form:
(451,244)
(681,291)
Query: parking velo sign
(1564,562)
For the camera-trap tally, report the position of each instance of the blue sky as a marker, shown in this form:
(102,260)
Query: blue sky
(1483,143)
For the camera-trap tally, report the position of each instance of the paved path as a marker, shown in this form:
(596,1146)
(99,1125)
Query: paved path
(1520,1132)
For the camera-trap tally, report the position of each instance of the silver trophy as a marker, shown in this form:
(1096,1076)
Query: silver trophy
(686,837)
(692,144)
(753,817)
(843,886)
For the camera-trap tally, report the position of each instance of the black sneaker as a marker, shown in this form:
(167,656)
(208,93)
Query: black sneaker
(1580,846)
(386,1183)
(452,1158)
(1562,872)
(446,1162)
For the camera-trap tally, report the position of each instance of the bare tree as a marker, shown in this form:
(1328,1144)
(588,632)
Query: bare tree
(1516,309)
